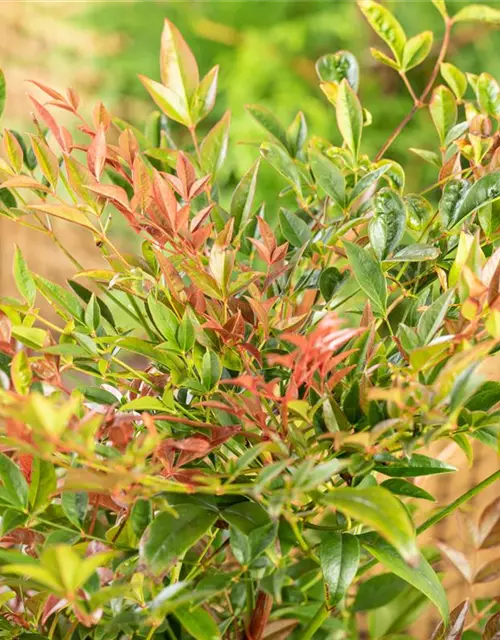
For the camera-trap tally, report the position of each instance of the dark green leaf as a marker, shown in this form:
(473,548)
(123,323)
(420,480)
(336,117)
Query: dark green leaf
(43,484)
(74,504)
(405,488)
(339,559)
(211,370)
(197,622)
(416,465)
(485,190)
(431,319)
(268,120)
(296,134)
(377,591)
(141,516)
(185,333)
(367,181)
(283,163)
(330,281)
(169,536)
(246,516)
(453,195)
(213,149)
(415,253)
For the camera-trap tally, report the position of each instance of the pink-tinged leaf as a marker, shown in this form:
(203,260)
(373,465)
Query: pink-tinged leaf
(457,559)
(24,182)
(101,116)
(48,90)
(64,212)
(492,628)
(455,628)
(141,183)
(96,155)
(111,192)
(490,517)
(488,572)
(492,539)
(172,105)
(73,98)
(55,129)
(178,67)
(52,604)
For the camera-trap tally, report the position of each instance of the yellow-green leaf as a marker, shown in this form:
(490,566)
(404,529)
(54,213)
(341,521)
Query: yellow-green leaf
(385,25)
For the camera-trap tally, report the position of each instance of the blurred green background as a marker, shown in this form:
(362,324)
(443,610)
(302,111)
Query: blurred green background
(267,51)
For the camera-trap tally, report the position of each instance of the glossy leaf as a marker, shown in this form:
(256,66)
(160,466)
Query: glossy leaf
(388,224)
(24,280)
(368,274)
(178,67)
(378,591)
(214,146)
(328,176)
(432,318)
(417,49)
(294,229)
(455,628)
(168,537)
(378,508)
(415,466)
(455,78)
(368,181)
(173,105)
(485,190)
(330,280)
(385,25)
(13,482)
(405,488)
(349,116)
(197,622)
(421,576)
(415,253)
(243,198)
(334,67)
(268,120)
(443,110)
(339,559)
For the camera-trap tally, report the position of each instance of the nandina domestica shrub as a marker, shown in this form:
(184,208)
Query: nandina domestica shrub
(218,436)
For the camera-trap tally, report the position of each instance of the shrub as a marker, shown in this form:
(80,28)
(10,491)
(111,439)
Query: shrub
(196,446)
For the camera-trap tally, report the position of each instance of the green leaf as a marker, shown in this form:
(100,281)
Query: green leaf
(3,92)
(185,333)
(172,105)
(296,134)
(31,337)
(246,516)
(330,281)
(419,210)
(367,181)
(243,197)
(198,623)
(165,320)
(339,559)
(478,13)
(417,49)
(213,149)
(488,93)
(144,404)
(378,508)
(429,156)
(381,57)
(61,299)
(74,505)
(441,7)
(432,318)
(387,227)
(405,488)
(141,516)
(334,67)
(283,163)
(368,274)
(64,212)
(422,576)
(455,78)
(20,372)
(178,68)
(349,117)
(415,466)
(485,190)
(204,97)
(377,591)
(453,195)
(443,110)
(385,25)
(93,314)
(43,484)
(169,536)
(328,176)
(268,120)
(415,253)
(14,483)
(211,370)
(294,229)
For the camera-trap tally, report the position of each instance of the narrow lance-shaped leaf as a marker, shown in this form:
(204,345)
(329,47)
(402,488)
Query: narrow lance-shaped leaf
(294,229)
(243,197)
(349,117)
(3,92)
(421,576)
(379,509)
(269,121)
(339,559)
(283,163)
(213,148)
(203,100)
(478,13)
(328,176)
(178,67)
(24,280)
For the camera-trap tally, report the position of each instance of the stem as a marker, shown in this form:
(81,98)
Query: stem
(419,102)
(319,617)
(404,77)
